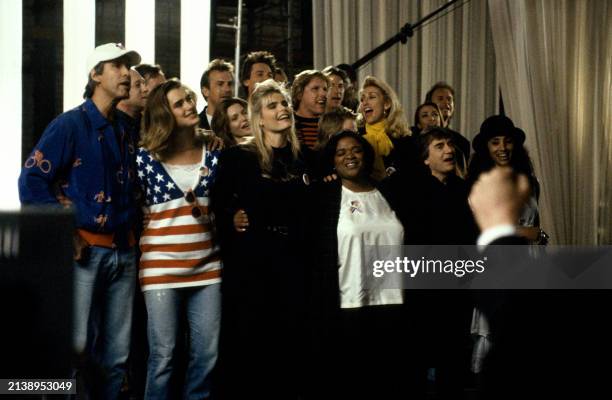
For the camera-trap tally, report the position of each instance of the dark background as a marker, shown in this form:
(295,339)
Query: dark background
(283,27)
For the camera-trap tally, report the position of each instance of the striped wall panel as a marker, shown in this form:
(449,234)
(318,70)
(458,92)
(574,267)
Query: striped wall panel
(52,54)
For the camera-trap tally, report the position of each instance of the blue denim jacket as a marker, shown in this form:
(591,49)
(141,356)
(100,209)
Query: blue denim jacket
(91,160)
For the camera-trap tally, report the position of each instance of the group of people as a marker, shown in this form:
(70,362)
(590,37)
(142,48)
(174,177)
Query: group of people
(256,221)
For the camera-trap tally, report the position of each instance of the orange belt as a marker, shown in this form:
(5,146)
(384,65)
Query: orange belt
(104,239)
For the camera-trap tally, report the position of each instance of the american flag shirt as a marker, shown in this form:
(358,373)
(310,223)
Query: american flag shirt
(178,249)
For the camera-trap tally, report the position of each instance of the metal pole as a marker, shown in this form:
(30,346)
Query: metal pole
(238,25)
(289,33)
(402,36)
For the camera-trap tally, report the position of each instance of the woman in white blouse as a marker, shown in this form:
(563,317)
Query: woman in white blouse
(359,323)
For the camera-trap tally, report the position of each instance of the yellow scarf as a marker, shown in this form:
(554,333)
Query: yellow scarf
(380,141)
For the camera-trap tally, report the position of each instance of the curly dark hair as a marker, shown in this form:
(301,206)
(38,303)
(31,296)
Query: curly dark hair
(520,162)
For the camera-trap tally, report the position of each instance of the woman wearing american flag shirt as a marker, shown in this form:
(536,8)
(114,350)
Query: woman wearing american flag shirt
(180,267)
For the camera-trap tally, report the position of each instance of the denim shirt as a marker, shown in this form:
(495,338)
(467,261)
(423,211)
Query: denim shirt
(90,160)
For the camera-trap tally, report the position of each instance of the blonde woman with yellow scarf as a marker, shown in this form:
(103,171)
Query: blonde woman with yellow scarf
(385,128)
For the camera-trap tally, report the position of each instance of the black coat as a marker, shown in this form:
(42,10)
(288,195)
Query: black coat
(546,342)
(441,212)
(403,157)
(277,210)
(463,145)
(263,284)
(204,120)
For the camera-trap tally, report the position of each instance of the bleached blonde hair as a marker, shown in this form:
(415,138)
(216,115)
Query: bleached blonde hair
(396,124)
(258,100)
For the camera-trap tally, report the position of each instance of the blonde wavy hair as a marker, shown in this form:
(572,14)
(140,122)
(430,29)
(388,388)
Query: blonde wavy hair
(158,122)
(396,124)
(258,100)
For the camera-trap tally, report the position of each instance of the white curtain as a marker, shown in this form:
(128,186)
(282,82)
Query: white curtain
(555,70)
(552,60)
(456,48)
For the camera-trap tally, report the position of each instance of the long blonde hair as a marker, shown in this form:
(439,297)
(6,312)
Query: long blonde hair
(396,125)
(263,91)
(158,122)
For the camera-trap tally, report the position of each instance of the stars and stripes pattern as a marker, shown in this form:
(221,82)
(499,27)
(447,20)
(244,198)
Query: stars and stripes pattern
(178,249)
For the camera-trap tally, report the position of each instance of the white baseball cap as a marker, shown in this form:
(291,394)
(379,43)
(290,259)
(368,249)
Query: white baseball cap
(111,51)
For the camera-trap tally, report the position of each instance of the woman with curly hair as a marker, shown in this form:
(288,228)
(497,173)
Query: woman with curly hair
(500,143)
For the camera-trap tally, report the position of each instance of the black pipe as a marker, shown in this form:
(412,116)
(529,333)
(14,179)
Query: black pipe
(402,36)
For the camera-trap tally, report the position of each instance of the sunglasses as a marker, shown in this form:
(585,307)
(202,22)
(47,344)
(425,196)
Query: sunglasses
(196,212)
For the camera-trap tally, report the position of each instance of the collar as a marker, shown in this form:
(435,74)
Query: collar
(126,117)
(493,233)
(204,113)
(95,116)
(377,127)
(305,119)
(451,179)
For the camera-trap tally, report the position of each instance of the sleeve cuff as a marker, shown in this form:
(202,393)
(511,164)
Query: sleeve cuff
(494,233)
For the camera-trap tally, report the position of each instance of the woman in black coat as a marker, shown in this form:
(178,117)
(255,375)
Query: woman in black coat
(260,201)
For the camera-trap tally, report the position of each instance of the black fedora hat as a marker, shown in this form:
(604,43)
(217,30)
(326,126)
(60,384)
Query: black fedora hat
(496,125)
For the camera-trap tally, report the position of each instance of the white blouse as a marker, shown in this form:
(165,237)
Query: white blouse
(366,222)
(186,176)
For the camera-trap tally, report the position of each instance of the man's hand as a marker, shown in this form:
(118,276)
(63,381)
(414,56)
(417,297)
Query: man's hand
(81,248)
(330,178)
(215,143)
(241,221)
(63,200)
(498,197)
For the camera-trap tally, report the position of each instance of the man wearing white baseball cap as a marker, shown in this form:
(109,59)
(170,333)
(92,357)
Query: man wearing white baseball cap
(85,160)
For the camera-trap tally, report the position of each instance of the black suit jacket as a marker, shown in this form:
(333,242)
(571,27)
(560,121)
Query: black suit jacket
(204,120)
(547,341)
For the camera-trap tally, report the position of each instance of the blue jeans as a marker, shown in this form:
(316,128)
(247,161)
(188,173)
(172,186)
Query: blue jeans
(165,307)
(104,286)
